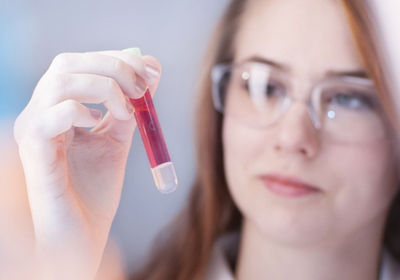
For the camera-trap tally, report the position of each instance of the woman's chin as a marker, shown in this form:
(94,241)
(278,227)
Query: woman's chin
(294,232)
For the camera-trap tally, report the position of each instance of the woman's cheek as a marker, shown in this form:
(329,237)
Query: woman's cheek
(369,179)
(241,147)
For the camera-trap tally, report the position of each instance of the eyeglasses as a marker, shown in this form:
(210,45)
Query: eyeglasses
(344,109)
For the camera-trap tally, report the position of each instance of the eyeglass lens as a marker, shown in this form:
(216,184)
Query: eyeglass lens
(347,111)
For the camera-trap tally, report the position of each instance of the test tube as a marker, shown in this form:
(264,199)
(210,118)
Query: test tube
(152,136)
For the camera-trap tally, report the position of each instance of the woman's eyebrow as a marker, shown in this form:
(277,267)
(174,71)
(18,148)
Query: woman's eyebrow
(275,64)
(283,67)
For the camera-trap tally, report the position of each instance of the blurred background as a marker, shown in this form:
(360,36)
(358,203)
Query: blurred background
(176,32)
(33,32)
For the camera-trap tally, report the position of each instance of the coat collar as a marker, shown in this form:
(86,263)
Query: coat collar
(225,250)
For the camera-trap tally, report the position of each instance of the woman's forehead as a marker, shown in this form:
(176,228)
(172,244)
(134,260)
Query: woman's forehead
(311,37)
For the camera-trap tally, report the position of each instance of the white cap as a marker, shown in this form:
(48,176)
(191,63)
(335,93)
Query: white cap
(165,177)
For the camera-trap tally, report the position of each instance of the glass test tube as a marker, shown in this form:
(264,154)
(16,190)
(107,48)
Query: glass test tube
(154,143)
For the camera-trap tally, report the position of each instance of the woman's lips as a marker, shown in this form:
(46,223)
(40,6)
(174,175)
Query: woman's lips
(288,186)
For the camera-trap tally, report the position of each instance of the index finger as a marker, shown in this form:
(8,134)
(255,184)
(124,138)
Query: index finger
(148,72)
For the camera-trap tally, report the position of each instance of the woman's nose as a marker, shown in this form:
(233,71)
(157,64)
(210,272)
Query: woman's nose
(295,132)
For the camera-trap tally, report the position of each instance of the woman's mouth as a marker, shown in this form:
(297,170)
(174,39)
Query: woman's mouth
(288,186)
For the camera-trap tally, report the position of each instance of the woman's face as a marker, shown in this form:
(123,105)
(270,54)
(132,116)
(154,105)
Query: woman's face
(356,182)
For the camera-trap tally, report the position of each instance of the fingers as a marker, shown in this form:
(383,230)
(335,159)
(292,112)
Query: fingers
(62,117)
(121,130)
(107,77)
(39,137)
(132,60)
(105,65)
(147,72)
(148,68)
(88,88)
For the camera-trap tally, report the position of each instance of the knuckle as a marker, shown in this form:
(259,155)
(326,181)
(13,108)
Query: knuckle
(118,65)
(112,84)
(132,65)
(71,107)
(61,60)
(124,69)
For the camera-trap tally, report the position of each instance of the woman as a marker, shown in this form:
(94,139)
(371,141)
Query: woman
(295,152)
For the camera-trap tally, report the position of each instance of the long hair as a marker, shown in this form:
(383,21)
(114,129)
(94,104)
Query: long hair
(182,250)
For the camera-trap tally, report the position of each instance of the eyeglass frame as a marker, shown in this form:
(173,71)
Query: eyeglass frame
(218,70)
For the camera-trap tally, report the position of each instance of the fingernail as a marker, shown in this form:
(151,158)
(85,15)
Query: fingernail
(140,85)
(129,106)
(151,71)
(96,114)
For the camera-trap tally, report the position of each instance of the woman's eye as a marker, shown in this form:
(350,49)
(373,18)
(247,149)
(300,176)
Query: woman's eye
(270,89)
(273,89)
(352,100)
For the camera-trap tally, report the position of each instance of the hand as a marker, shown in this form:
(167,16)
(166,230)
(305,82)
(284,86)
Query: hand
(74,176)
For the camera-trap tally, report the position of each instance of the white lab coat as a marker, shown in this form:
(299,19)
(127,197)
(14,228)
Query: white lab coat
(226,247)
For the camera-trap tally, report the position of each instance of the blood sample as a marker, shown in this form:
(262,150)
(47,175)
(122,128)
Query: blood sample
(152,136)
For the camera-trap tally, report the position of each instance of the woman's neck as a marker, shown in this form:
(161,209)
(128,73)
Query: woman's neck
(358,258)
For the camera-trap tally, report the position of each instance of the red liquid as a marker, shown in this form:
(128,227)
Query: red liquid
(150,130)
